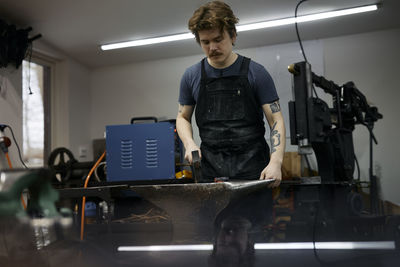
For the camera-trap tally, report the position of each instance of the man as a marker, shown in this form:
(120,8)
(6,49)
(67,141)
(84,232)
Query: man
(233,245)
(230,93)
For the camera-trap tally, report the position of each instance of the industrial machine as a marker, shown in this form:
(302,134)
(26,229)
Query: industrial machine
(328,131)
(332,200)
(140,151)
(144,150)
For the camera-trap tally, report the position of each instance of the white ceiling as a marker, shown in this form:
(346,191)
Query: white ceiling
(77,28)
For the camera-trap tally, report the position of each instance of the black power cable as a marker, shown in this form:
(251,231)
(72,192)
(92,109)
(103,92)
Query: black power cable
(297,30)
(29,53)
(315,92)
(300,42)
(358,168)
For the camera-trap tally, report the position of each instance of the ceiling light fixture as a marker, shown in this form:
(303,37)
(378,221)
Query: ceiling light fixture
(166,248)
(376,245)
(246,27)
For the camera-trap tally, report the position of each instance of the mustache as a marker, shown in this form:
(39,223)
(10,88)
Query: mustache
(213,54)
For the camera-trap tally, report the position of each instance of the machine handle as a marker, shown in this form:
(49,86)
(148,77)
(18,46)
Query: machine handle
(143,119)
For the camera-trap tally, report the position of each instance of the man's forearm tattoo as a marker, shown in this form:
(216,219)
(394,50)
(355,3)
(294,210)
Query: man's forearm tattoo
(275,107)
(275,138)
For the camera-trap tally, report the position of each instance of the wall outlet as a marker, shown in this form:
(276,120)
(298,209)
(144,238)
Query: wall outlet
(83,152)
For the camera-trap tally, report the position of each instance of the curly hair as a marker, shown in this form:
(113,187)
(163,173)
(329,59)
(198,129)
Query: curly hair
(213,15)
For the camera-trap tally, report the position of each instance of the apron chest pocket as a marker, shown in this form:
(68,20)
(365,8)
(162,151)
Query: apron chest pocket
(225,105)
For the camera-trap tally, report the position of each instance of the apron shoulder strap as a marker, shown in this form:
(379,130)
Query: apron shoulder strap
(244,68)
(203,70)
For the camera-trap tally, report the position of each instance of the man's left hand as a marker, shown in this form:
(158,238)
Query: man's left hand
(272,171)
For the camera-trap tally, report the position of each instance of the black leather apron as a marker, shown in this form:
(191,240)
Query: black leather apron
(231,126)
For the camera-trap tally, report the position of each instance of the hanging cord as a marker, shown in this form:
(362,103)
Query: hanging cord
(16,144)
(297,29)
(358,168)
(29,52)
(84,198)
(314,235)
(300,42)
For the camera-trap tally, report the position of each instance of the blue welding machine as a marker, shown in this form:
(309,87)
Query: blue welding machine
(140,151)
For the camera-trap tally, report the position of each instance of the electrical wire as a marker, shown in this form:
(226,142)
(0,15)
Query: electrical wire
(8,160)
(96,175)
(314,232)
(300,42)
(29,53)
(16,144)
(315,91)
(84,198)
(297,29)
(358,168)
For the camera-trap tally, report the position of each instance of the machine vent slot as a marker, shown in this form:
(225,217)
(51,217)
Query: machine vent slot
(151,153)
(126,154)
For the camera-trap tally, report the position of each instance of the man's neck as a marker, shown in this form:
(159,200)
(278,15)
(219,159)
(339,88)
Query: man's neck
(228,62)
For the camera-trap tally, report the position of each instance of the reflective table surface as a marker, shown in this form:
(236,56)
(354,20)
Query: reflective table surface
(212,224)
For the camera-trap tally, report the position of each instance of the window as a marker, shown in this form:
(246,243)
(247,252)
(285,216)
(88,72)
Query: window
(35,112)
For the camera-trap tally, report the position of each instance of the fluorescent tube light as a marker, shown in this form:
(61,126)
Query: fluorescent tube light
(386,245)
(376,245)
(156,40)
(166,248)
(305,18)
(246,27)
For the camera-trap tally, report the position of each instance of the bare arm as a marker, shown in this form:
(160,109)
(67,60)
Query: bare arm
(278,139)
(185,131)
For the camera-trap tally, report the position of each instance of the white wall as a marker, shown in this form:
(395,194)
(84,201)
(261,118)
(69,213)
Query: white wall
(70,100)
(141,89)
(151,89)
(79,115)
(11,111)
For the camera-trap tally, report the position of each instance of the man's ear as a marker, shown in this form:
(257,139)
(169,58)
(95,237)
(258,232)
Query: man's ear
(234,39)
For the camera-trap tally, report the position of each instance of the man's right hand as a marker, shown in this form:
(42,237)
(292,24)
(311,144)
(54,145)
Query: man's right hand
(184,128)
(188,152)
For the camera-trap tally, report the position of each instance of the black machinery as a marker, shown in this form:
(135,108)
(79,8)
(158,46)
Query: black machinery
(328,131)
(334,199)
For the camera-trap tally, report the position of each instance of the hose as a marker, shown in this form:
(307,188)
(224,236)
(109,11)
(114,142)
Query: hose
(84,198)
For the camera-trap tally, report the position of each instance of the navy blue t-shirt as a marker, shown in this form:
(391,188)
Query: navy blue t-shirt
(259,79)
